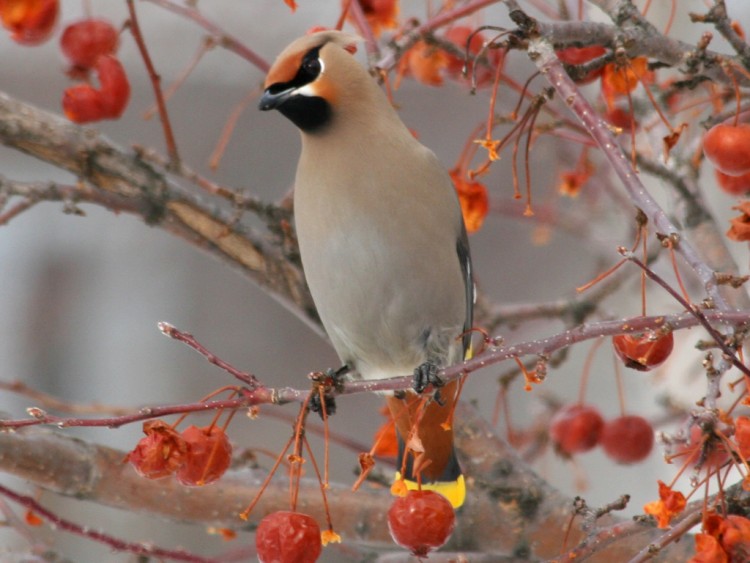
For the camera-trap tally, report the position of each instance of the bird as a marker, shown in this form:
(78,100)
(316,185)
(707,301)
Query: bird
(383,245)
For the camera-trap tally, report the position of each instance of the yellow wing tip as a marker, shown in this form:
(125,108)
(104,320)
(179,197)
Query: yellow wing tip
(454,491)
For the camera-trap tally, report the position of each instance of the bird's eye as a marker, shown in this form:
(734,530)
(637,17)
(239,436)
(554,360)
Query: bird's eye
(312,66)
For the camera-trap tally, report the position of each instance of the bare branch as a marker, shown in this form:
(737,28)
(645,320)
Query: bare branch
(112,174)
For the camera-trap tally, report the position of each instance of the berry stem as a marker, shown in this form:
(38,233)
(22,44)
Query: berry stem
(246,513)
(323,484)
(586,372)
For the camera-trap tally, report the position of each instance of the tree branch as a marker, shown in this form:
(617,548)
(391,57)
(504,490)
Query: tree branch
(508,505)
(121,180)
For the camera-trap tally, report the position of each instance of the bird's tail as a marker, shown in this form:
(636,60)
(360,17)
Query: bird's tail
(426,456)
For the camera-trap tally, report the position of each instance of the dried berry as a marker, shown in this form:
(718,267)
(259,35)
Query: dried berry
(209,455)
(160,453)
(83,103)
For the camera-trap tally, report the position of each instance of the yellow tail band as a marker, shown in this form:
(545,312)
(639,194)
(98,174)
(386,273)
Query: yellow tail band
(454,491)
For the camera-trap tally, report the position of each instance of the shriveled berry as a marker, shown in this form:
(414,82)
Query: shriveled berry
(84,103)
(160,453)
(84,41)
(421,521)
(643,352)
(288,537)
(208,457)
(576,428)
(627,439)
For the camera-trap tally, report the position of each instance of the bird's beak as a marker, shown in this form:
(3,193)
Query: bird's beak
(272,100)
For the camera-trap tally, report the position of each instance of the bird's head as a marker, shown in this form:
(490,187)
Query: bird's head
(309,79)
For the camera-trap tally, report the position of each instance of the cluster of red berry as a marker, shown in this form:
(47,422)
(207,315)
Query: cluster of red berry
(420,521)
(578,428)
(196,456)
(89,45)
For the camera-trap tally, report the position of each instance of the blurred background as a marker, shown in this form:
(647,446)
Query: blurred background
(80,297)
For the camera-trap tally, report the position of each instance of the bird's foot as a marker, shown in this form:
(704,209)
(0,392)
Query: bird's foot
(426,374)
(327,381)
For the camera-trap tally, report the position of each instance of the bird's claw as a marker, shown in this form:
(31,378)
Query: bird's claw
(425,375)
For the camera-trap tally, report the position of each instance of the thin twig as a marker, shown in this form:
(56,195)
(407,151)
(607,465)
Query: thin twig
(110,541)
(544,57)
(135,30)
(224,39)
(247,378)
(493,355)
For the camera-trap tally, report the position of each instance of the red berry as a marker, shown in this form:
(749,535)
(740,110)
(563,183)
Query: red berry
(288,537)
(83,42)
(620,117)
(208,457)
(581,55)
(627,439)
(421,521)
(643,352)
(115,87)
(576,429)
(160,453)
(30,21)
(83,103)
(733,185)
(728,148)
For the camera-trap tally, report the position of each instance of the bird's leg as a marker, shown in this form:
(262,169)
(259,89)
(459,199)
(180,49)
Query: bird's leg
(329,379)
(339,373)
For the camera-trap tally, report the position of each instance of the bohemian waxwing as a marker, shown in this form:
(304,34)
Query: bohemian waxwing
(382,241)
